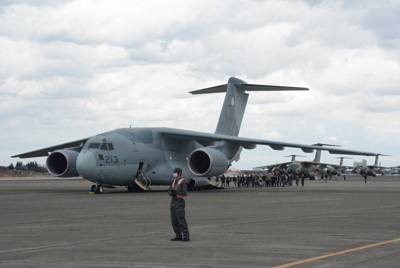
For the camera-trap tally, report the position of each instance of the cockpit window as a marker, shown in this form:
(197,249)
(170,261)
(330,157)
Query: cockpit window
(105,146)
(94,145)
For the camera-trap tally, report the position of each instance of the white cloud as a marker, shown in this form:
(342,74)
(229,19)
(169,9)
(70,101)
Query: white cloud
(71,69)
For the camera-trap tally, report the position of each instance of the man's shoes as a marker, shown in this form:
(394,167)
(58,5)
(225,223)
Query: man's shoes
(185,239)
(176,239)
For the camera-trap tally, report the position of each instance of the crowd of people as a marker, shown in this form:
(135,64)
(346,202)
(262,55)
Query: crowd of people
(259,180)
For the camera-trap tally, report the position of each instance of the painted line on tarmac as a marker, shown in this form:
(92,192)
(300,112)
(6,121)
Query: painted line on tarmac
(337,253)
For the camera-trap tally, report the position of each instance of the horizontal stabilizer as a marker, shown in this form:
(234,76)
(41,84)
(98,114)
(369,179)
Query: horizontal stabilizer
(230,118)
(216,89)
(246,87)
(252,87)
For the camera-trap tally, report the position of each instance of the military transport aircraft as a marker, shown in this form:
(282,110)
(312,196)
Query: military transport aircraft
(309,169)
(370,170)
(140,157)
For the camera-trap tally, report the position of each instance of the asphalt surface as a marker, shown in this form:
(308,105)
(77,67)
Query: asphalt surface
(48,222)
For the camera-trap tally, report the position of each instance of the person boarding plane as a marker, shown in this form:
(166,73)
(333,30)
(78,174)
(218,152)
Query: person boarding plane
(141,157)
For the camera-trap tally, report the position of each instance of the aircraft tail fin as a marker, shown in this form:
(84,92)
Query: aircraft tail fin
(235,102)
(317,158)
(341,159)
(377,159)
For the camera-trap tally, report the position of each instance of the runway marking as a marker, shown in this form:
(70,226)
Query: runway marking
(337,253)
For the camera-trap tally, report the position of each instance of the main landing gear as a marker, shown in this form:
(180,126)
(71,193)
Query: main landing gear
(134,188)
(96,188)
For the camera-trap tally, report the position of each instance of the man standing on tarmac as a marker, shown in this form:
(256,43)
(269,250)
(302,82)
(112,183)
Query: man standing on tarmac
(178,192)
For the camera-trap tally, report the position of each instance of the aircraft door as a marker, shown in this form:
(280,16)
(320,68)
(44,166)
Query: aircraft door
(139,170)
(141,178)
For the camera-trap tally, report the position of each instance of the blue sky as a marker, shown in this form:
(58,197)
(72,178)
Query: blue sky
(73,69)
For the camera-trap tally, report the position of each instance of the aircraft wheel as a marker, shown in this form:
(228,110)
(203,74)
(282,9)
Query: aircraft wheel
(129,188)
(93,188)
(99,189)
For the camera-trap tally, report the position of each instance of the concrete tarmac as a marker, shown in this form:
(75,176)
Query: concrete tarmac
(51,222)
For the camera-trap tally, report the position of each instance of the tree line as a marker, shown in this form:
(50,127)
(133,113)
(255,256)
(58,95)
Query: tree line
(31,166)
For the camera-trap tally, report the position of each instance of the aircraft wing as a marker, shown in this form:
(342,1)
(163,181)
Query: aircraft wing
(337,166)
(249,143)
(46,151)
(207,139)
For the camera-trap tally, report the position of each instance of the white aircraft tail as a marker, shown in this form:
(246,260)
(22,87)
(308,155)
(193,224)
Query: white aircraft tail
(235,102)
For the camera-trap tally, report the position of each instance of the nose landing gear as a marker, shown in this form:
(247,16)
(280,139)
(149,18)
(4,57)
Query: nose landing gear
(97,188)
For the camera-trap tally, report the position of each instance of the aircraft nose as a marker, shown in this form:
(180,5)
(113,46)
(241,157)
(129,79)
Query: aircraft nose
(85,164)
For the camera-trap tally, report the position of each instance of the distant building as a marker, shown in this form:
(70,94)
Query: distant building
(363,163)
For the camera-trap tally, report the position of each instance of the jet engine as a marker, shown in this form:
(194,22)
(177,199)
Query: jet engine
(207,162)
(62,163)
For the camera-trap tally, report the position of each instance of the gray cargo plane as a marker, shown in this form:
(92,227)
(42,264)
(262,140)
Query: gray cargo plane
(140,157)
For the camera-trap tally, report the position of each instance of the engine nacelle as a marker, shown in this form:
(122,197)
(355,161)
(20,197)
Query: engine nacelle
(207,162)
(62,163)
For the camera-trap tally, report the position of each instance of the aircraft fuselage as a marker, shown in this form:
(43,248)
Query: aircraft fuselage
(115,157)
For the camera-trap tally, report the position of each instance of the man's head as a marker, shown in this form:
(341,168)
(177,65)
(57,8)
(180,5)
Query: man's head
(177,171)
